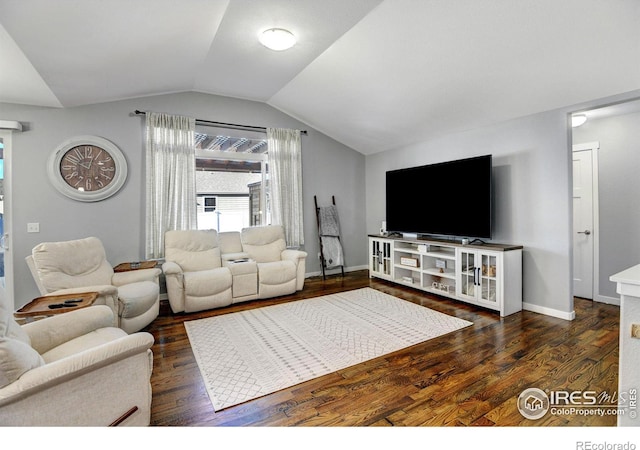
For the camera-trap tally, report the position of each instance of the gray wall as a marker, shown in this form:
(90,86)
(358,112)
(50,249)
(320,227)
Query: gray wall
(619,190)
(531,194)
(329,168)
(533,206)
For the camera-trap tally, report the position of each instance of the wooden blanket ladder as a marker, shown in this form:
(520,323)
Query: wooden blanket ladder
(335,237)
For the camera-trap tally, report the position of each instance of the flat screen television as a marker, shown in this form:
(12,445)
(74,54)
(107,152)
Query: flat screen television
(452,199)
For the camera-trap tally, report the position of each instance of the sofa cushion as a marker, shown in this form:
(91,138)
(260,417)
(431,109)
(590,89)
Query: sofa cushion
(230,242)
(9,328)
(193,250)
(265,243)
(76,263)
(16,358)
(83,342)
(16,354)
(207,282)
(14,331)
(278,272)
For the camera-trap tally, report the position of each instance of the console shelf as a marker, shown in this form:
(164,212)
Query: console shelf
(488,275)
(441,254)
(448,273)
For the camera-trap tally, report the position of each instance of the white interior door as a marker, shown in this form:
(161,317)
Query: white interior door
(583,221)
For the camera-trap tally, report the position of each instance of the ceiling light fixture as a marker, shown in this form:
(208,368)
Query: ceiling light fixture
(577,120)
(277,39)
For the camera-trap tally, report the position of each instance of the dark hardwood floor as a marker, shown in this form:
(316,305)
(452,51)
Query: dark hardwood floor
(470,377)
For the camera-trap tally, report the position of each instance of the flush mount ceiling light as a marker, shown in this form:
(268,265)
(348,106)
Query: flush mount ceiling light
(578,120)
(277,39)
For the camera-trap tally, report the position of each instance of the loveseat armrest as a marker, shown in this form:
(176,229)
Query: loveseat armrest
(299,258)
(174,280)
(135,276)
(171,268)
(294,255)
(53,331)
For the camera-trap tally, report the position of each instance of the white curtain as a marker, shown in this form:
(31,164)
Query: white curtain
(285,181)
(171,186)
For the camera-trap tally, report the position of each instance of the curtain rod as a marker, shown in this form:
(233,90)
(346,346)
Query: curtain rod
(223,124)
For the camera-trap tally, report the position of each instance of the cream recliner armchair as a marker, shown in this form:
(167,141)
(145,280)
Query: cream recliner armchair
(193,271)
(280,270)
(81,266)
(73,369)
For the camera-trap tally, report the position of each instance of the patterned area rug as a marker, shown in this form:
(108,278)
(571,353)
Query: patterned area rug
(248,354)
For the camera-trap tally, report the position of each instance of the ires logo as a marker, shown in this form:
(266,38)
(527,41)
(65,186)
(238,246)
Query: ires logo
(589,398)
(575,398)
(633,403)
(534,403)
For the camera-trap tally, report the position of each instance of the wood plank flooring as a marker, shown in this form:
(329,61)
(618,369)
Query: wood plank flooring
(471,377)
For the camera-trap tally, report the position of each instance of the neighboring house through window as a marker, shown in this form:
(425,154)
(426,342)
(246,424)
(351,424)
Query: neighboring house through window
(231,175)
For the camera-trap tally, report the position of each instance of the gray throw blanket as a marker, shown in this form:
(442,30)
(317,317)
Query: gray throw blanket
(329,229)
(332,251)
(328,217)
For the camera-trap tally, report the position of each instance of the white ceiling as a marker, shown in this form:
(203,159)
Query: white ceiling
(373,74)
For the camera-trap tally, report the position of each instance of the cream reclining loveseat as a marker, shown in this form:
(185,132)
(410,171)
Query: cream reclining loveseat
(280,270)
(205,269)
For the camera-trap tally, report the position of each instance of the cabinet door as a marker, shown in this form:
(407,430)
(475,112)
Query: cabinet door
(478,275)
(489,273)
(466,285)
(380,257)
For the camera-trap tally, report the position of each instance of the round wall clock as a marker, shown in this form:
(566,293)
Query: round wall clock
(87,168)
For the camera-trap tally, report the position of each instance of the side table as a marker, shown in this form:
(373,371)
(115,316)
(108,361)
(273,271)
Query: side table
(127,266)
(50,305)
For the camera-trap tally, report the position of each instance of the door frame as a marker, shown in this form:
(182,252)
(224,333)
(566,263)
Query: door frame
(6,133)
(594,148)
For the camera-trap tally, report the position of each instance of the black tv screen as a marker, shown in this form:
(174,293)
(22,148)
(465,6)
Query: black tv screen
(445,199)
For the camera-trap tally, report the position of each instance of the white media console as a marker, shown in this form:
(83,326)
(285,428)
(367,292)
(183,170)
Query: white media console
(488,275)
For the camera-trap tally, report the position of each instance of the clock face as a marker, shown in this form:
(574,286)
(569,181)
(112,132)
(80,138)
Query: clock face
(87,168)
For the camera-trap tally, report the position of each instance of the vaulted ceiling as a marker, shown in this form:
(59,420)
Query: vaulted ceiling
(372,74)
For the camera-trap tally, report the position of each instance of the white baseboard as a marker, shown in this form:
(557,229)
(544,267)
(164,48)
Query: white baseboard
(608,300)
(334,271)
(567,315)
(549,311)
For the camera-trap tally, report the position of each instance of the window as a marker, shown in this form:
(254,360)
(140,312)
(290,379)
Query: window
(231,176)
(209,203)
